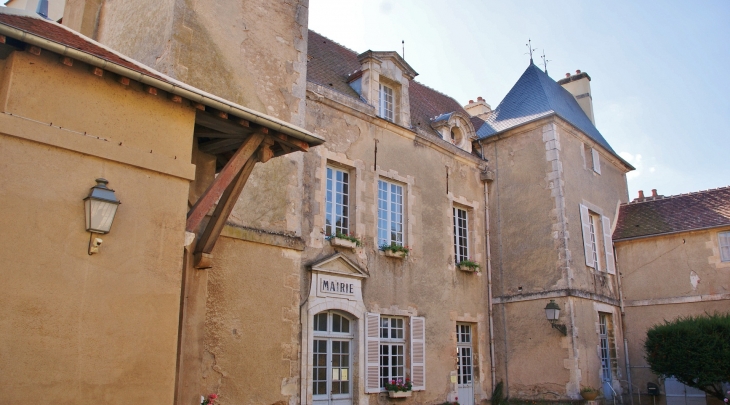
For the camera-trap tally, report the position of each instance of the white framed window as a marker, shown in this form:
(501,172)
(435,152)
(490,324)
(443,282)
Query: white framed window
(337,201)
(386,102)
(392,350)
(388,348)
(461,235)
(390,213)
(595,228)
(593,240)
(724,241)
(332,356)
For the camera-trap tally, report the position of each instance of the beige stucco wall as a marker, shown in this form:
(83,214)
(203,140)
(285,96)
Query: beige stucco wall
(664,278)
(537,255)
(81,328)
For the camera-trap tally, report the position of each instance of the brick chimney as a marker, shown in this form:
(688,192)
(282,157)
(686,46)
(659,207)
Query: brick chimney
(579,85)
(480,108)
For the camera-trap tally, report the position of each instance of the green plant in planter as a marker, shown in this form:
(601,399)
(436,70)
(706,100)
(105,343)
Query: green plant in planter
(394,248)
(351,238)
(399,385)
(473,266)
(588,390)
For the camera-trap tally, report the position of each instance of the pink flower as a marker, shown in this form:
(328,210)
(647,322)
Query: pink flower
(213,396)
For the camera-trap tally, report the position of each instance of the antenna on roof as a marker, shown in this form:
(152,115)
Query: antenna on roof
(530,48)
(545,61)
(42,9)
(403,42)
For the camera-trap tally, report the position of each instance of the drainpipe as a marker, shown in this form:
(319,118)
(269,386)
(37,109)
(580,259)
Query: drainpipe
(492,365)
(623,328)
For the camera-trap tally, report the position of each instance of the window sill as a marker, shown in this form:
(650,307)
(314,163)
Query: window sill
(397,255)
(343,243)
(469,269)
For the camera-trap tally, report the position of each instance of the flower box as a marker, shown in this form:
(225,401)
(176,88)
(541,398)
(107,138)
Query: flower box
(397,254)
(399,394)
(343,243)
(469,269)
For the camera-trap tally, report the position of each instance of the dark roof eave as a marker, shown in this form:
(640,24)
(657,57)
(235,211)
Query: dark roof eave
(551,114)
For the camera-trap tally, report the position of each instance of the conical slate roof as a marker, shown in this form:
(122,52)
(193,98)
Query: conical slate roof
(535,96)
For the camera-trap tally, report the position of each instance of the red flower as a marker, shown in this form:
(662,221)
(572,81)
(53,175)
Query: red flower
(213,396)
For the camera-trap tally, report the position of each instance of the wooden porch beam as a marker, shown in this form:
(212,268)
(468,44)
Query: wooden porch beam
(221,182)
(283,139)
(220,145)
(222,211)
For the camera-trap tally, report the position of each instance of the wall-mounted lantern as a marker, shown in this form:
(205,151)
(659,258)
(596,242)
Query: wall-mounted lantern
(101,206)
(552,311)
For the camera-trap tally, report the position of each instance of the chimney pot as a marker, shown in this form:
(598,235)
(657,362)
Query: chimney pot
(471,101)
(567,75)
(577,72)
(641,195)
(653,192)
(480,98)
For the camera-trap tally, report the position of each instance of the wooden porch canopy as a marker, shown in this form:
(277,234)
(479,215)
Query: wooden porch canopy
(238,145)
(238,136)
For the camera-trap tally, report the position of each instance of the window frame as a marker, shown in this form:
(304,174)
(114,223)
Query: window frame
(386,95)
(594,232)
(461,240)
(724,257)
(385,221)
(330,211)
(391,343)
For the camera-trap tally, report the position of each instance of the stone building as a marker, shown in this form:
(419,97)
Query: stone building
(674,256)
(297,288)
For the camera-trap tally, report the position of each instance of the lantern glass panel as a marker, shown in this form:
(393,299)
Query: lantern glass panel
(552,314)
(99,215)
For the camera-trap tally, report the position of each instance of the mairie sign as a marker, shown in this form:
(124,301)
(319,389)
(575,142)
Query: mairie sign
(327,285)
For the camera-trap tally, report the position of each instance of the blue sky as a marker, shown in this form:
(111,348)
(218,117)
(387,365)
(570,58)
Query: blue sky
(659,69)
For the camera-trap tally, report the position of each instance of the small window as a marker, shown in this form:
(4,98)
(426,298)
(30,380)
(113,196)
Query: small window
(390,213)
(337,200)
(386,102)
(392,350)
(724,239)
(461,235)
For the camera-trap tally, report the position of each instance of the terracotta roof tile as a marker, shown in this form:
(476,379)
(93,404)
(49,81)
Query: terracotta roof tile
(61,35)
(684,212)
(331,64)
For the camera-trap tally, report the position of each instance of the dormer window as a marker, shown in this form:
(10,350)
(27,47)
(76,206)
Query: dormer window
(386,103)
(455,127)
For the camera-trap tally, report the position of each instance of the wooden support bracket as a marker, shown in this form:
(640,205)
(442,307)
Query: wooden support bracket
(97,71)
(150,90)
(283,139)
(222,181)
(124,80)
(66,61)
(199,106)
(228,200)
(175,98)
(34,50)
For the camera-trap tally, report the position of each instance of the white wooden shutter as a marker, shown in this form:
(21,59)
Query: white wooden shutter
(372,353)
(587,246)
(596,161)
(418,353)
(608,245)
(724,239)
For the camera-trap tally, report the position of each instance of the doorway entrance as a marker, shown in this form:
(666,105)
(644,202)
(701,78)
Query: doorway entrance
(608,353)
(332,359)
(465,363)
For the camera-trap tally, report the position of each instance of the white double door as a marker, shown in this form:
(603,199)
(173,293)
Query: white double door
(332,371)
(465,364)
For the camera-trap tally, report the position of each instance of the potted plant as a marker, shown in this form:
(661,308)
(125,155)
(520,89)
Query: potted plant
(340,239)
(468,265)
(589,393)
(208,401)
(399,388)
(394,250)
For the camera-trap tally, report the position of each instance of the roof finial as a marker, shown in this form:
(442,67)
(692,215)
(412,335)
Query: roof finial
(403,42)
(530,48)
(545,61)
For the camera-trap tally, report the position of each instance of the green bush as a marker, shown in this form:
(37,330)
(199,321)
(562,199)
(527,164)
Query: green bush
(498,397)
(694,350)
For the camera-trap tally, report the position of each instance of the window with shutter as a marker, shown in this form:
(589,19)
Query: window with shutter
(608,245)
(588,245)
(724,239)
(596,161)
(418,353)
(372,353)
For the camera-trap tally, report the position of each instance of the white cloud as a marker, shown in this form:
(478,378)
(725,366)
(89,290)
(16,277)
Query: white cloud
(635,161)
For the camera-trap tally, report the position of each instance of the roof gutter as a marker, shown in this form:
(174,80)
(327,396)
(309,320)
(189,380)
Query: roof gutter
(182,90)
